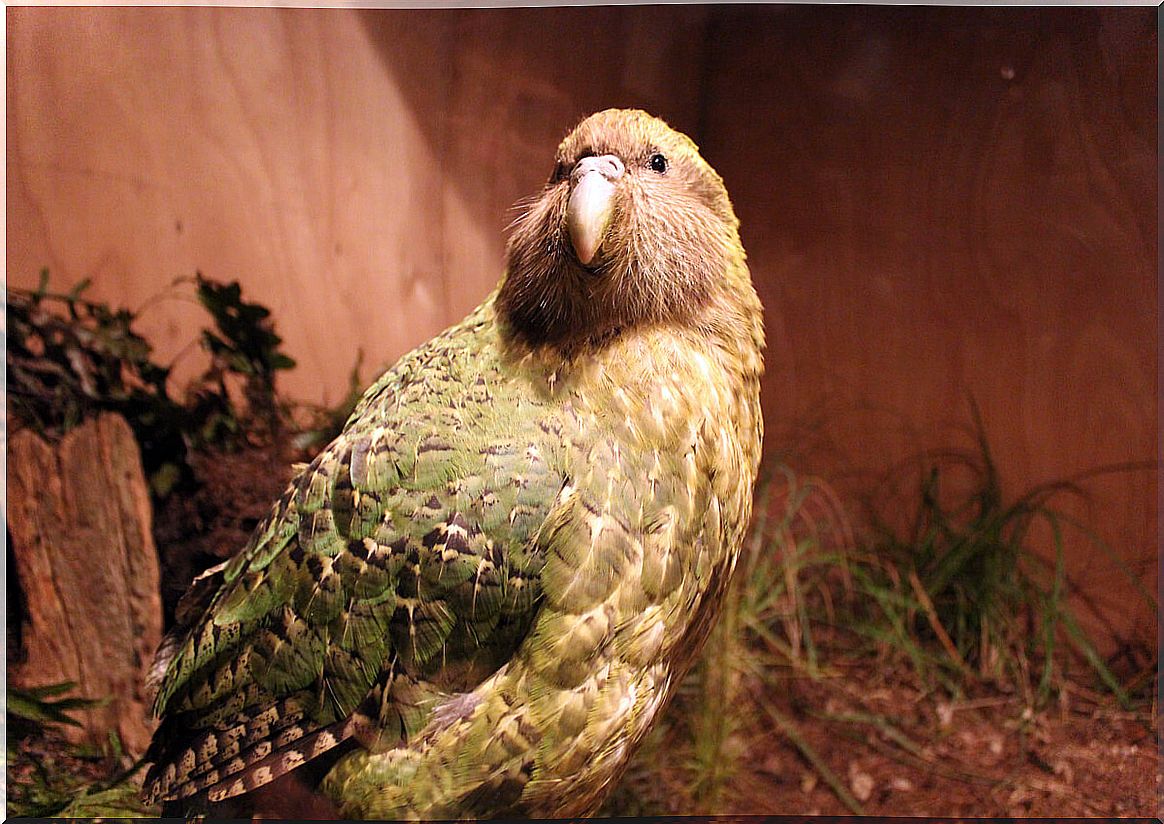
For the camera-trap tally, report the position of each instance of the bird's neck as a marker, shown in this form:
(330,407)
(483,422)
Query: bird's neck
(728,318)
(726,334)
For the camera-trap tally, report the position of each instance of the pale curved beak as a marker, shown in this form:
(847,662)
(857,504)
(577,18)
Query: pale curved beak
(591,203)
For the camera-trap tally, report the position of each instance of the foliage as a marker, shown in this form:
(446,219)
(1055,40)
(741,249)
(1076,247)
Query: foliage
(50,777)
(242,342)
(70,359)
(964,594)
(44,706)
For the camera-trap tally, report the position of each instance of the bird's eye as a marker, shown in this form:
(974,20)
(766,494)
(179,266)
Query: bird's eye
(658,163)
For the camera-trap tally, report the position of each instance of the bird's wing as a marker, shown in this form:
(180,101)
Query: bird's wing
(399,564)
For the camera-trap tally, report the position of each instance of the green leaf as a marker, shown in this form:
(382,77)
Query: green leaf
(36,705)
(163,481)
(80,287)
(281,361)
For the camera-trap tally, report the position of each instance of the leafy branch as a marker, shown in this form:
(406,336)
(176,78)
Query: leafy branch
(70,358)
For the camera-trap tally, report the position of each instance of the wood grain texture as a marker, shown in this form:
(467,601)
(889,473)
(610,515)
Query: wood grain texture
(354,170)
(79,520)
(956,203)
(936,202)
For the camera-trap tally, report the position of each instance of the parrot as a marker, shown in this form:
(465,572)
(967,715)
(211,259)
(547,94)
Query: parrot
(478,599)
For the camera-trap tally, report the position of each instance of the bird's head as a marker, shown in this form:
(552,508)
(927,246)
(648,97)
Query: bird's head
(632,228)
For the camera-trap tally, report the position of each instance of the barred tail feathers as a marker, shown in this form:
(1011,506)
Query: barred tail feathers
(223,763)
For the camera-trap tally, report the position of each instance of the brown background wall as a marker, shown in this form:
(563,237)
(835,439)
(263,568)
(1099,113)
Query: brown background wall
(937,203)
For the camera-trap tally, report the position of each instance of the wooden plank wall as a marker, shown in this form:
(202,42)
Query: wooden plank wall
(946,203)
(936,202)
(355,170)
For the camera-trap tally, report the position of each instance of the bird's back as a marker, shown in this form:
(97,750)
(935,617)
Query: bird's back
(398,562)
(485,582)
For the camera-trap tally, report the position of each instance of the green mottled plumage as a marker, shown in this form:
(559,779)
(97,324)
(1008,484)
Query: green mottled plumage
(484,590)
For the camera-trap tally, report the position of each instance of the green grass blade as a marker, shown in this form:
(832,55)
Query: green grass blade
(822,768)
(1087,648)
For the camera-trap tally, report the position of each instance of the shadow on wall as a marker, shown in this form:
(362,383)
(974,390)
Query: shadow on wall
(495,90)
(941,203)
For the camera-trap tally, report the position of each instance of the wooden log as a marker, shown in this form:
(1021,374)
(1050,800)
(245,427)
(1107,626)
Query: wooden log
(80,523)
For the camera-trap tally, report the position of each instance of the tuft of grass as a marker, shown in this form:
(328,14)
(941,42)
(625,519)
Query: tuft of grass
(965,594)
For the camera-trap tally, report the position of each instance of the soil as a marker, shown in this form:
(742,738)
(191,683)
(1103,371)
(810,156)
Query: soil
(896,751)
(235,491)
(978,757)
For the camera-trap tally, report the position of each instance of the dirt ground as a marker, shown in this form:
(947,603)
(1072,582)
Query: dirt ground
(979,757)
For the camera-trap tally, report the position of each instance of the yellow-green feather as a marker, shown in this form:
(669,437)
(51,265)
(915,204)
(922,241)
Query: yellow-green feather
(493,580)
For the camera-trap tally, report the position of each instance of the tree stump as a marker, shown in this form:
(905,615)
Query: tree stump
(79,519)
